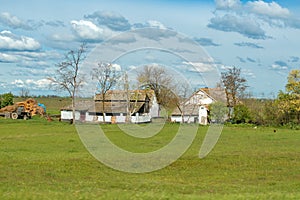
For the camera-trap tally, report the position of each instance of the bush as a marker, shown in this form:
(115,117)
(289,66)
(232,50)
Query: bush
(6,99)
(241,114)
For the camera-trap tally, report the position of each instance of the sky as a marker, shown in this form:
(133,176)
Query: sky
(260,37)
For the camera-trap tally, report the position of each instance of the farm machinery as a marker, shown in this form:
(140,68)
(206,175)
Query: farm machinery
(23,110)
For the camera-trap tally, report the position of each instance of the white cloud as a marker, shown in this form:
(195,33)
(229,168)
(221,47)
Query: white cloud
(248,73)
(132,67)
(112,20)
(10,41)
(227,4)
(13,21)
(243,25)
(249,18)
(7,58)
(18,83)
(155,24)
(87,30)
(271,9)
(199,66)
(116,67)
(32,84)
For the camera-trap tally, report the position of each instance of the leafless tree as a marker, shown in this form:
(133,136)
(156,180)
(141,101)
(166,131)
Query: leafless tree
(24,92)
(106,76)
(234,84)
(157,79)
(67,77)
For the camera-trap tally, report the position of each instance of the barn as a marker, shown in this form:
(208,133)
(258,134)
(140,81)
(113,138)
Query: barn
(116,106)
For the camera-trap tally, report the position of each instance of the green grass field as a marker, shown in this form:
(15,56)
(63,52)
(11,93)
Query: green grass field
(46,160)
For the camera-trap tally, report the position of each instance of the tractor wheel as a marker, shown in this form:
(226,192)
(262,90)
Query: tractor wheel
(14,115)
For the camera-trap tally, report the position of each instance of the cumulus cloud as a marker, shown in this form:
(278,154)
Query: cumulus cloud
(248,44)
(231,23)
(271,9)
(30,83)
(112,20)
(10,41)
(227,4)
(206,42)
(41,83)
(150,24)
(7,58)
(199,66)
(87,30)
(18,83)
(155,24)
(247,17)
(13,22)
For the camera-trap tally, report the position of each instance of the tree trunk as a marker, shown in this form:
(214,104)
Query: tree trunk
(73,109)
(103,107)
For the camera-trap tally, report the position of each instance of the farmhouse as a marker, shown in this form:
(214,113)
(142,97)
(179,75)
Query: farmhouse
(116,106)
(195,108)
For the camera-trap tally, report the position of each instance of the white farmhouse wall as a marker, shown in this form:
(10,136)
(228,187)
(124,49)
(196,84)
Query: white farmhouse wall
(203,115)
(67,115)
(187,119)
(141,118)
(154,110)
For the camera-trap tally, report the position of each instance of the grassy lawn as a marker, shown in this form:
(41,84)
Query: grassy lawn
(46,160)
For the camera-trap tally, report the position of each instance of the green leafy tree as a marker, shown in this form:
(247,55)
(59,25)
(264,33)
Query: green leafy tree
(218,112)
(293,85)
(241,114)
(286,108)
(6,99)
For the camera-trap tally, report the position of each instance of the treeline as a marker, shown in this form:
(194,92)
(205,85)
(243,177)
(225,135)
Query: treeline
(284,110)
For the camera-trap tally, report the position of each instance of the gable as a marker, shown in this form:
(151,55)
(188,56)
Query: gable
(199,98)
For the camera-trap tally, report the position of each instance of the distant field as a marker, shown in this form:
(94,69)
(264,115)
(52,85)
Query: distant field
(46,160)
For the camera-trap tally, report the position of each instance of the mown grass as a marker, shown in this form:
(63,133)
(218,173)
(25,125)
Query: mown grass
(46,160)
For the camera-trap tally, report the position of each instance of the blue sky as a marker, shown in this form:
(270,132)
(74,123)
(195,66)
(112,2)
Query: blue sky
(260,37)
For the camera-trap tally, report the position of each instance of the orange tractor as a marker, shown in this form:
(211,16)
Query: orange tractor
(24,110)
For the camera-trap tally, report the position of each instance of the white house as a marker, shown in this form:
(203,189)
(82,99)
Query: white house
(195,108)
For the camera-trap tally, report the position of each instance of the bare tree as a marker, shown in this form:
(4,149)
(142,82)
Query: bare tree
(234,85)
(24,92)
(106,76)
(67,77)
(157,79)
(183,92)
